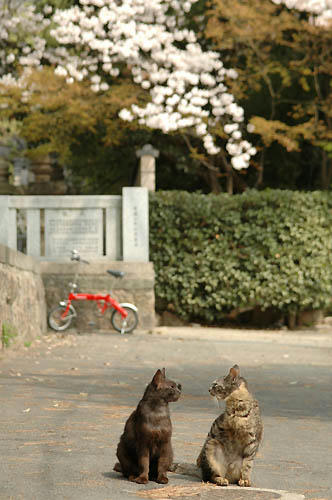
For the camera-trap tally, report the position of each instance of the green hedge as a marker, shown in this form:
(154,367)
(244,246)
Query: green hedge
(214,254)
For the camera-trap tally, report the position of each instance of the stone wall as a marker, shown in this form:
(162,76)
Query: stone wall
(136,287)
(22,298)
(29,289)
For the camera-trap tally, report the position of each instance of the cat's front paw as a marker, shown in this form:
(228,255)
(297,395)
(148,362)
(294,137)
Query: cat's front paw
(220,481)
(139,479)
(117,467)
(245,483)
(162,479)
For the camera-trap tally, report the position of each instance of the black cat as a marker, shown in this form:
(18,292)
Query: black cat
(145,450)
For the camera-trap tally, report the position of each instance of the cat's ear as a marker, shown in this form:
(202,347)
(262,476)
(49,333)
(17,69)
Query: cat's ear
(157,379)
(163,371)
(234,372)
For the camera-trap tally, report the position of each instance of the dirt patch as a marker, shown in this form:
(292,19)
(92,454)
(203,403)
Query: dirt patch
(206,492)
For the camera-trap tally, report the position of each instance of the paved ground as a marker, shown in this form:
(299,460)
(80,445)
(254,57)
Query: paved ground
(64,401)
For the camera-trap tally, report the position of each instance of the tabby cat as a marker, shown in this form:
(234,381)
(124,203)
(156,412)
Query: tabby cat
(232,443)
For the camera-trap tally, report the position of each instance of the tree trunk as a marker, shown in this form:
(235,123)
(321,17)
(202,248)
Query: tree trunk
(213,182)
(323,171)
(230,183)
(229,173)
(326,171)
(259,180)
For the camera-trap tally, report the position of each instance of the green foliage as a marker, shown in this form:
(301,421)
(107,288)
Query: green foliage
(214,254)
(57,117)
(284,70)
(8,334)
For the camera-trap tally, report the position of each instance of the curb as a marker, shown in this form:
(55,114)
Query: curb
(317,338)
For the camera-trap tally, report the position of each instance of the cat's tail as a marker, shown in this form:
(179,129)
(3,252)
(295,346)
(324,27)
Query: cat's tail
(186,469)
(183,468)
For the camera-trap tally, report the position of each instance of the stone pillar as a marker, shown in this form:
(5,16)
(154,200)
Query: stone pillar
(147,168)
(21,172)
(8,230)
(44,181)
(42,170)
(135,224)
(4,169)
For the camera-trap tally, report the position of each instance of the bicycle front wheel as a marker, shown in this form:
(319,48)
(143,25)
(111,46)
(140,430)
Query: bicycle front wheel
(57,322)
(124,325)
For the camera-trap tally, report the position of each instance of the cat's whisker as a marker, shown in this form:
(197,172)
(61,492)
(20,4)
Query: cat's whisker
(216,401)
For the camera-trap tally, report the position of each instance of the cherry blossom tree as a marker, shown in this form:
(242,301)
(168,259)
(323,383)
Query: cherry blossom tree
(100,40)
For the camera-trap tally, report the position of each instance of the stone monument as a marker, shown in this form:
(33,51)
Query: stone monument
(147,169)
(68,229)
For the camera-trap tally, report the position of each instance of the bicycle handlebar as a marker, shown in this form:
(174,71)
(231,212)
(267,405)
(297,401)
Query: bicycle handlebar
(76,256)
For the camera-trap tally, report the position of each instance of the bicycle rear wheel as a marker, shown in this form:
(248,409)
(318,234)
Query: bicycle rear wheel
(124,325)
(55,320)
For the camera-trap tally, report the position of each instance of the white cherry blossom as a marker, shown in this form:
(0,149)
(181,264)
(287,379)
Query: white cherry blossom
(321,9)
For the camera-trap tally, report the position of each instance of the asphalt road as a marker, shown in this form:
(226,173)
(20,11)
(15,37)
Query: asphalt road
(65,399)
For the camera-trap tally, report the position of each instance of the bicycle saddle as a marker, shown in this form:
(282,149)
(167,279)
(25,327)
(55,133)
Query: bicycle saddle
(116,274)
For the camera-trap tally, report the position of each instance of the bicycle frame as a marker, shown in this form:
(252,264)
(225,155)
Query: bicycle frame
(107,299)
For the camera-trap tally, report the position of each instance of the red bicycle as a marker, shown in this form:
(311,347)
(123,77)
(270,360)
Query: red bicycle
(124,317)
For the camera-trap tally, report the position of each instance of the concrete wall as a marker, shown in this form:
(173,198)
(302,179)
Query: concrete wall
(22,296)
(136,287)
